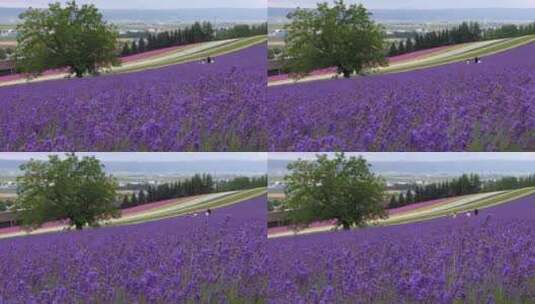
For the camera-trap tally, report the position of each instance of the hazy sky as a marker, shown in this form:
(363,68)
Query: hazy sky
(414,4)
(417,156)
(260,156)
(144,4)
(145,157)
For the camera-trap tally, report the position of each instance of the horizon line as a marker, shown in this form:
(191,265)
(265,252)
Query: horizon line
(422,9)
(150,9)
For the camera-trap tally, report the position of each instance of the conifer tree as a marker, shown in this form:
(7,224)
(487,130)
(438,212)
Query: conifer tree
(133,48)
(126,50)
(393,50)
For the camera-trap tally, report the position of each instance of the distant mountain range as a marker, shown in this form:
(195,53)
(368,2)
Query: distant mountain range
(215,15)
(497,15)
(219,167)
(436,168)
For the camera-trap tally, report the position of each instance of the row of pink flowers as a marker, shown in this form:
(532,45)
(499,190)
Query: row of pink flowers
(417,54)
(153,53)
(125,59)
(405,209)
(124,212)
(425,204)
(395,59)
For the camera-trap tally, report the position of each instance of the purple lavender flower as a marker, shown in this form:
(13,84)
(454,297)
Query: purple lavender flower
(454,107)
(178,260)
(443,260)
(185,107)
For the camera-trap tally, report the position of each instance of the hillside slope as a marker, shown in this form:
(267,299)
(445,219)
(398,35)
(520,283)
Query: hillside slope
(423,59)
(154,59)
(425,211)
(188,206)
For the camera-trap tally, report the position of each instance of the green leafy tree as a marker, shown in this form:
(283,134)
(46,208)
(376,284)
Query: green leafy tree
(75,189)
(71,36)
(340,188)
(341,36)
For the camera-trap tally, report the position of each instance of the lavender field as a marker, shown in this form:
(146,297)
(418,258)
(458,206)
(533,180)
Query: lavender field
(186,107)
(455,107)
(216,259)
(489,258)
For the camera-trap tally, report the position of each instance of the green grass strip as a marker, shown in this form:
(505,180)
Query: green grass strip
(223,49)
(479,204)
(486,50)
(215,203)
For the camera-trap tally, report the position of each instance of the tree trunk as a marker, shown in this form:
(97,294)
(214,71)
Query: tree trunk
(78,225)
(78,72)
(346,225)
(347,73)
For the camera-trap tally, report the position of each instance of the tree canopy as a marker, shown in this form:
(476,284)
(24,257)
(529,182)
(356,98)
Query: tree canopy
(71,188)
(340,35)
(5,53)
(341,188)
(74,37)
